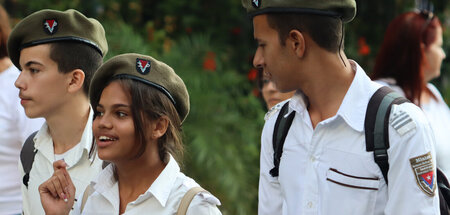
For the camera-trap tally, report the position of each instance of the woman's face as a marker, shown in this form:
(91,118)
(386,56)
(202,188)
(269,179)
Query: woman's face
(272,95)
(434,55)
(113,125)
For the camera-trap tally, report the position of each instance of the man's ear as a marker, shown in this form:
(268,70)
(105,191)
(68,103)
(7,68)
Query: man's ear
(159,127)
(296,41)
(76,80)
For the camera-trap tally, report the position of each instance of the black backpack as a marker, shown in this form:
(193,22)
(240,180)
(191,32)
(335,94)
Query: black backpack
(377,138)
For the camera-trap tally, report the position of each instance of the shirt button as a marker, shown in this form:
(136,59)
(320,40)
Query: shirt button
(312,158)
(310,204)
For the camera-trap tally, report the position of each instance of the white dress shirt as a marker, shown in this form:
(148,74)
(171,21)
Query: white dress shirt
(327,170)
(15,127)
(81,169)
(438,114)
(162,197)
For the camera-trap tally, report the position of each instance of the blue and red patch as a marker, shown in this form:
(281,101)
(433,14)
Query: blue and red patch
(50,26)
(143,66)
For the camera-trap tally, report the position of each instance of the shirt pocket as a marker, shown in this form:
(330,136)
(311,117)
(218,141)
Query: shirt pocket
(350,194)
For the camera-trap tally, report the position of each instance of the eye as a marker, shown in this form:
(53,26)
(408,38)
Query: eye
(32,70)
(121,114)
(98,113)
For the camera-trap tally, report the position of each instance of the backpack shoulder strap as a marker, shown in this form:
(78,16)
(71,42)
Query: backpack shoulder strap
(376,125)
(27,157)
(187,198)
(280,131)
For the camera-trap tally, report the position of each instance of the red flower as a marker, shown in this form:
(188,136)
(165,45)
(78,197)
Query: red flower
(236,30)
(210,62)
(256,92)
(252,74)
(188,30)
(364,49)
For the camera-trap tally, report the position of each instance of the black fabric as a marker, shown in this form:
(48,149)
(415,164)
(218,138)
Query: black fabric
(280,131)
(373,108)
(27,157)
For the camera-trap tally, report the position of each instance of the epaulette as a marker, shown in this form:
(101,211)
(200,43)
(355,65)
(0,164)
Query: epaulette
(275,109)
(401,121)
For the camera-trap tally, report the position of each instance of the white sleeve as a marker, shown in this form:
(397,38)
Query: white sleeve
(270,198)
(411,159)
(25,202)
(204,204)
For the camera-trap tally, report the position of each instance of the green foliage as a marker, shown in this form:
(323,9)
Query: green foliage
(223,127)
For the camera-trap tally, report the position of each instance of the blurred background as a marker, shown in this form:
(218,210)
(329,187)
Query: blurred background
(210,45)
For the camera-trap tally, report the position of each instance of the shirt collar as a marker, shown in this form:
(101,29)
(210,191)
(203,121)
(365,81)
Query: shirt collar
(160,188)
(43,138)
(353,106)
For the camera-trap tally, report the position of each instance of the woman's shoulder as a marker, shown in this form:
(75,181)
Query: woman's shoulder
(203,201)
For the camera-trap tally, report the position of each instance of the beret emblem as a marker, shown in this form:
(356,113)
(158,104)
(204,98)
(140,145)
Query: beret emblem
(143,66)
(256,3)
(50,26)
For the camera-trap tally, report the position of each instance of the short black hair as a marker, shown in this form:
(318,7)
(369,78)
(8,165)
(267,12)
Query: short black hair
(326,31)
(71,55)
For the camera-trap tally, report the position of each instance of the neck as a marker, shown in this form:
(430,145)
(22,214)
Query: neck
(5,63)
(66,125)
(327,85)
(137,175)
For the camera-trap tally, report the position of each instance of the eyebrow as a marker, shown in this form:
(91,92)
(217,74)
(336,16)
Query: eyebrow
(30,63)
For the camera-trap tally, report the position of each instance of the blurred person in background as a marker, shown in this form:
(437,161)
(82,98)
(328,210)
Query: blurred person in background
(270,94)
(415,39)
(15,127)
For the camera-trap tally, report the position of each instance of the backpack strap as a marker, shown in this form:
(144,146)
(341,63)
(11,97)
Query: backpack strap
(187,199)
(280,131)
(376,125)
(27,157)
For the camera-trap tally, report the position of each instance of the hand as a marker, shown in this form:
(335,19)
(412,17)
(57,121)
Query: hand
(58,192)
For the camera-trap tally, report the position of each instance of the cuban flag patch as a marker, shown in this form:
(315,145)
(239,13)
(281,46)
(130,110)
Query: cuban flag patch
(423,168)
(143,66)
(256,3)
(50,26)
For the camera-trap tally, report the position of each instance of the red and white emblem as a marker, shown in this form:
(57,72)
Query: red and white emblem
(143,66)
(50,26)
(423,168)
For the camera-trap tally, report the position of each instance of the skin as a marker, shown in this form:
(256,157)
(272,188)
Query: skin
(434,55)
(58,97)
(113,120)
(272,95)
(302,65)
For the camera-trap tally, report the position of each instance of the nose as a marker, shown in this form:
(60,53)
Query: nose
(258,60)
(20,82)
(102,122)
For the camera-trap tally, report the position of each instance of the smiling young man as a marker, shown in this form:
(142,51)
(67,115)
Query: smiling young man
(324,167)
(57,53)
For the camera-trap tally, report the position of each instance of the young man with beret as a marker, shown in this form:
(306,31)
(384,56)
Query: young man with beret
(57,53)
(324,167)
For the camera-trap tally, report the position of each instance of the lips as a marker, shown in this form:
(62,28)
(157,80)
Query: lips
(24,99)
(105,140)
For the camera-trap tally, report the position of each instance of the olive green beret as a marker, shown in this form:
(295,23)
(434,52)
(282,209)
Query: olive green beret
(46,26)
(344,9)
(144,69)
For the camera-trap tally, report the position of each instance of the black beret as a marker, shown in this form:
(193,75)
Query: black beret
(46,26)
